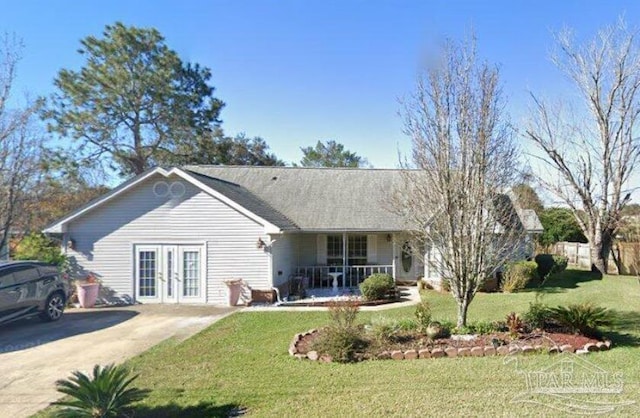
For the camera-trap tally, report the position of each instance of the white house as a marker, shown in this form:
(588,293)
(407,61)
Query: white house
(175,235)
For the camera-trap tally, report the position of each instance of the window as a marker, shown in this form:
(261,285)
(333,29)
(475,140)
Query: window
(334,250)
(357,250)
(147,273)
(191,273)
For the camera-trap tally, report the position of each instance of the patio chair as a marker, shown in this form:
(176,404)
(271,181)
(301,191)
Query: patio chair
(297,285)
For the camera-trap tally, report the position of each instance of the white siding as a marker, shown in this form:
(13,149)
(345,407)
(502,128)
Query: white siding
(104,238)
(283,252)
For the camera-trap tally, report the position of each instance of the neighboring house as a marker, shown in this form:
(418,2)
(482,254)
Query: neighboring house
(175,235)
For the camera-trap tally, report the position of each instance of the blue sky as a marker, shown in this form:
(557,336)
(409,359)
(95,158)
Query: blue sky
(295,72)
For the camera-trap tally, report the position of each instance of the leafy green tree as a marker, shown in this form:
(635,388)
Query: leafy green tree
(560,225)
(331,154)
(133,103)
(39,247)
(528,198)
(216,148)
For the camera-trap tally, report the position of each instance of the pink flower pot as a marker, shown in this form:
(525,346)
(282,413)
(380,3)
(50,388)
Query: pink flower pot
(87,294)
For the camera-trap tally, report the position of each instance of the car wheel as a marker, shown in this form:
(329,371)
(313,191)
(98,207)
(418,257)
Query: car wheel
(54,308)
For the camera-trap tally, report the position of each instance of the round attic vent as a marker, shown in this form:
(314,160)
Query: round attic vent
(161,188)
(176,189)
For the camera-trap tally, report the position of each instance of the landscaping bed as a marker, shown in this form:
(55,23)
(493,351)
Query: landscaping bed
(411,345)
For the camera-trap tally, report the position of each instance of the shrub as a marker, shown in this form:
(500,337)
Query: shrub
(342,344)
(377,286)
(560,263)
(581,319)
(482,327)
(40,247)
(343,313)
(538,316)
(423,314)
(518,275)
(383,328)
(514,324)
(407,324)
(104,394)
(545,264)
(549,264)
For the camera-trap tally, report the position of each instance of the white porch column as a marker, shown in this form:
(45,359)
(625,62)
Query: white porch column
(345,242)
(394,257)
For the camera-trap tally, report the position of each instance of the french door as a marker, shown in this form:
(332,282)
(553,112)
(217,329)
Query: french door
(169,273)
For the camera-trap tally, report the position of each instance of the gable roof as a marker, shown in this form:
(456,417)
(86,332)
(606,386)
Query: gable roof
(319,198)
(294,198)
(228,194)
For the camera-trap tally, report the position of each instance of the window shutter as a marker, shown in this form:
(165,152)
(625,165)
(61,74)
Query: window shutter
(321,249)
(372,249)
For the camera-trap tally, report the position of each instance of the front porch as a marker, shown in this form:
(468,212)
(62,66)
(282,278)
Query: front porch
(343,277)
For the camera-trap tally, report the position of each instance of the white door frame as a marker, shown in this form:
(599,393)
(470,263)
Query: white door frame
(157,263)
(185,270)
(170,276)
(169,272)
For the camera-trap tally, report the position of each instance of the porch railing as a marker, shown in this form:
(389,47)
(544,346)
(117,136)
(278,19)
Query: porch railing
(322,276)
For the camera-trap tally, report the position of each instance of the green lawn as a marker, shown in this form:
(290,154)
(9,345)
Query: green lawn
(242,361)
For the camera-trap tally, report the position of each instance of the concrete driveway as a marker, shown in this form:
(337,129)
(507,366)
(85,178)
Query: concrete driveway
(33,355)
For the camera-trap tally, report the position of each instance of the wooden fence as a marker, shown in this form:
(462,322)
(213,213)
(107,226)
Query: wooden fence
(627,253)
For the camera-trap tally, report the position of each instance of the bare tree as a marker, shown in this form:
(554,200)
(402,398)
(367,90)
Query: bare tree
(592,152)
(462,160)
(19,144)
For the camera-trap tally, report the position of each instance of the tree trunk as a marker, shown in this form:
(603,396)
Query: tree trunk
(463,305)
(600,248)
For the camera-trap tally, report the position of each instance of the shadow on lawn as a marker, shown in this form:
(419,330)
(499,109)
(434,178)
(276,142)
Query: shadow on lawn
(203,409)
(623,321)
(559,283)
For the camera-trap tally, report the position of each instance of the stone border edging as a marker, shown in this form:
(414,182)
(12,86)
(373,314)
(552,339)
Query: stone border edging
(450,352)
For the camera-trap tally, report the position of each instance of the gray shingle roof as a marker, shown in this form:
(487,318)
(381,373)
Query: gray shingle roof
(319,198)
(247,200)
(313,198)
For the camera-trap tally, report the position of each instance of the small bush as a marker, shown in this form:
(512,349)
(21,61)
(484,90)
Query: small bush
(384,329)
(423,314)
(377,286)
(538,316)
(342,344)
(407,324)
(514,324)
(518,275)
(482,327)
(545,264)
(343,313)
(106,393)
(560,264)
(549,264)
(40,247)
(584,319)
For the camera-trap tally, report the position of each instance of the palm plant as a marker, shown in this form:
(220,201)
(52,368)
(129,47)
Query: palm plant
(582,318)
(104,394)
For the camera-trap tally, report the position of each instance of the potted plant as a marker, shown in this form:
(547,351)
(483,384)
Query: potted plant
(87,290)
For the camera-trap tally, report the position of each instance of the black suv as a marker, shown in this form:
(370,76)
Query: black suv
(29,288)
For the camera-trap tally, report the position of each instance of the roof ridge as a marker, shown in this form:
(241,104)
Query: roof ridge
(265,167)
